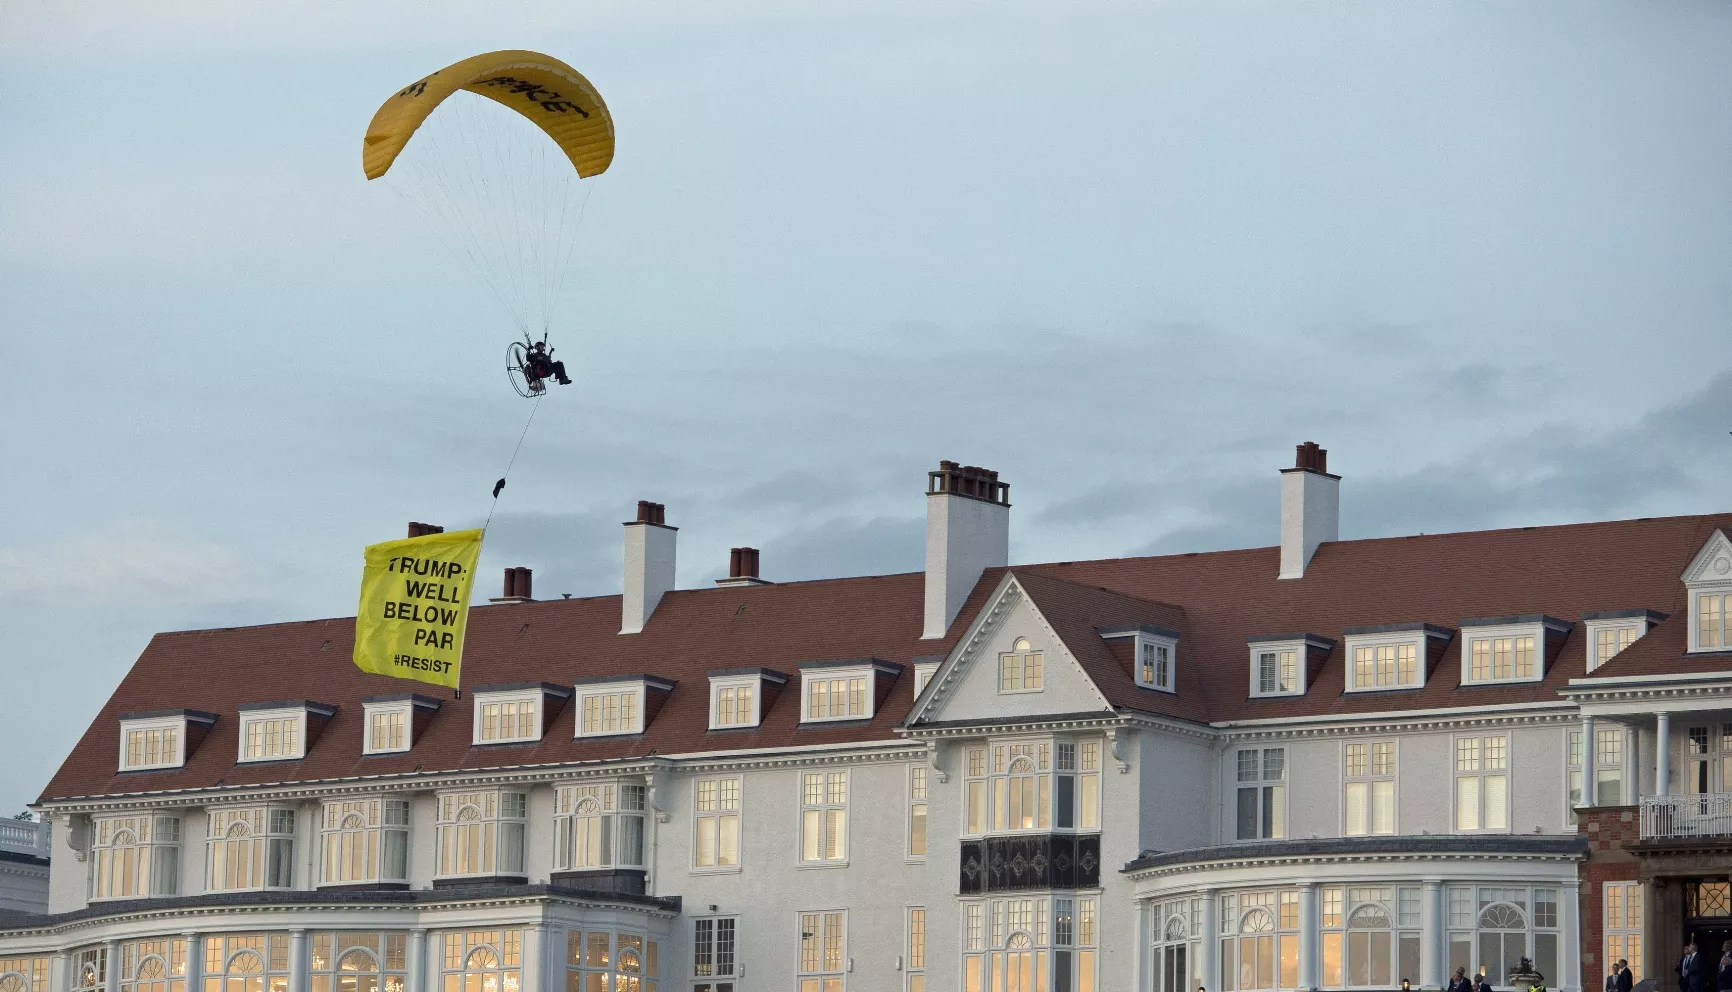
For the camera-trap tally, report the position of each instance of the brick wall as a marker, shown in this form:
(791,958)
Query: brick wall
(1608,830)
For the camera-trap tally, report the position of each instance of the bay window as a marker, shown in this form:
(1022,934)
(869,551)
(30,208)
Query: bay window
(1032,785)
(136,856)
(250,847)
(480,833)
(1030,944)
(598,826)
(365,840)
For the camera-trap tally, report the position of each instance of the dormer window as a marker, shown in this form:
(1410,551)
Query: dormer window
(279,731)
(1022,668)
(739,696)
(1708,585)
(161,738)
(1391,656)
(1153,654)
(612,705)
(393,721)
(1507,649)
(1609,632)
(514,713)
(1281,663)
(923,672)
(844,690)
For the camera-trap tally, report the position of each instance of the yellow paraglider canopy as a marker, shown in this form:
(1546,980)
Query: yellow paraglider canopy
(553,95)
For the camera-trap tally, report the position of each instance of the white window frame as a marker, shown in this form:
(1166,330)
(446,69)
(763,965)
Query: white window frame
(384,827)
(153,868)
(403,708)
(916,928)
(1023,650)
(823,808)
(1370,779)
(716,977)
(815,980)
(923,672)
(1271,808)
(1624,630)
(809,676)
(718,684)
(267,841)
(1474,633)
(619,810)
(919,782)
(144,725)
(1723,594)
(482,699)
(1148,662)
(250,718)
(713,819)
(1625,929)
(448,808)
(1416,639)
(1710,574)
(1471,757)
(1300,649)
(600,691)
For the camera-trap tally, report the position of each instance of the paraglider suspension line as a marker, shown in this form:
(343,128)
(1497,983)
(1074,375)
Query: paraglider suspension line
(496,489)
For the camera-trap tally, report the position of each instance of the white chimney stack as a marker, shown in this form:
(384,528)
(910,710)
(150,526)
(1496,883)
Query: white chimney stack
(1310,508)
(967,532)
(649,565)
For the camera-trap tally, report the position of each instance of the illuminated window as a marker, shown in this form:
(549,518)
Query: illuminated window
(1021,668)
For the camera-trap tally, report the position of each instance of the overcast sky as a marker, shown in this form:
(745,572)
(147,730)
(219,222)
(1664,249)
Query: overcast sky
(1127,254)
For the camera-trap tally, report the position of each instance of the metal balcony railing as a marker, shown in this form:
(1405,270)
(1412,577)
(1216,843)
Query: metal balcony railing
(1701,815)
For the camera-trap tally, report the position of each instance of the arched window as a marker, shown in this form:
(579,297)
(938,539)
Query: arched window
(1503,939)
(254,962)
(1021,668)
(348,961)
(366,840)
(481,833)
(1370,947)
(250,848)
(1257,950)
(482,961)
(630,977)
(23,975)
(136,856)
(1024,806)
(1175,928)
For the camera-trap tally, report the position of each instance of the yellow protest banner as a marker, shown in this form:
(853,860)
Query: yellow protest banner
(415,605)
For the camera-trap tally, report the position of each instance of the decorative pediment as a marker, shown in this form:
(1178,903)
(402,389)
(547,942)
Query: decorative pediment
(1713,564)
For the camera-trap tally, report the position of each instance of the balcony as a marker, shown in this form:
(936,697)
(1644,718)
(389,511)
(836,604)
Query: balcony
(1682,817)
(1030,862)
(24,837)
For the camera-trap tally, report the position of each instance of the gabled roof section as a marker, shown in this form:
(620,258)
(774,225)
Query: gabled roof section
(1076,615)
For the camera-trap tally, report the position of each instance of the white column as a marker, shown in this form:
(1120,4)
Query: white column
(534,955)
(417,963)
(298,960)
(1209,956)
(1145,945)
(1308,935)
(111,967)
(1663,754)
(1589,798)
(1432,938)
(60,973)
(194,960)
(1632,784)
(1571,965)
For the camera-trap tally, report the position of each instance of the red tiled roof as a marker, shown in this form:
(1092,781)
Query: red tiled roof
(1221,599)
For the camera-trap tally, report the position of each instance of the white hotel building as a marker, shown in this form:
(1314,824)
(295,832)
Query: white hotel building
(1325,765)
